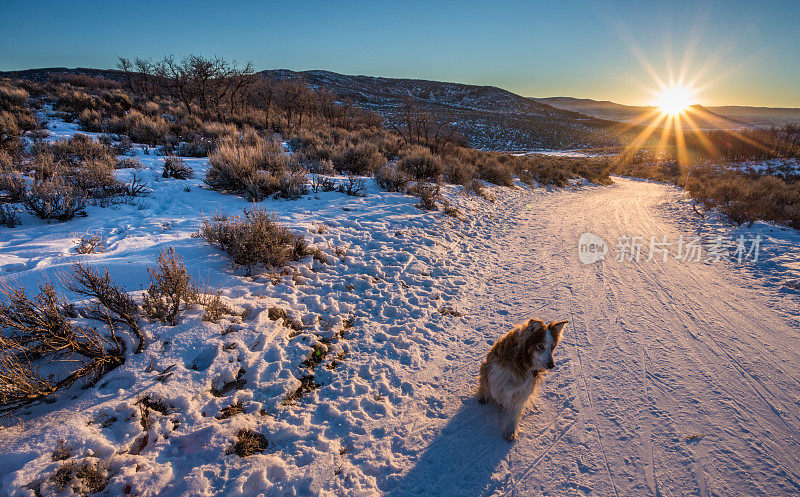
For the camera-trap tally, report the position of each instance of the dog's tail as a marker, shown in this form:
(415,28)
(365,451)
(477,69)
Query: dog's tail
(483,384)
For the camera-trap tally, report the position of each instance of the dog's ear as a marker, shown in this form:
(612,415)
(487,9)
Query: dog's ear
(555,328)
(535,324)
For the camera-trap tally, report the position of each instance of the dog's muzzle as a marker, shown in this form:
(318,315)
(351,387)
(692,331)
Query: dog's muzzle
(550,365)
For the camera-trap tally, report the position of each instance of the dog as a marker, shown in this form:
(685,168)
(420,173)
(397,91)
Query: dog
(512,368)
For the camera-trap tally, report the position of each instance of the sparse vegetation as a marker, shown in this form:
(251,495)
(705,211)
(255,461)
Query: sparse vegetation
(354,187)
(176,168)
(257,170)
(171,288)
(8,216)
(255,239)
(43,329)
(215,308)
(90,243)
(249,442)
(84,478)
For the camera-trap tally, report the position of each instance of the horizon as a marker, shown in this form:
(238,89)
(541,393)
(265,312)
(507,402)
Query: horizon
(733,53)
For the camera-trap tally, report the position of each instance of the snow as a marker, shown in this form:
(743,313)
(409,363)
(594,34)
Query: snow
(672,378)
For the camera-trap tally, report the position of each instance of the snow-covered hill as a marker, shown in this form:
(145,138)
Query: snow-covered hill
(488,116)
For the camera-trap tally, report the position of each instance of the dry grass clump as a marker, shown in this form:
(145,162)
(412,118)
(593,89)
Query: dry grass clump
(141,128)
(249,442)
(255,239)
(62,452)
(176,168)
(256,169)
(231,410)
(215,308)
(171,288)
(85,478)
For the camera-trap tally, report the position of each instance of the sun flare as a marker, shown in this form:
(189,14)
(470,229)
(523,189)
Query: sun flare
(674,99)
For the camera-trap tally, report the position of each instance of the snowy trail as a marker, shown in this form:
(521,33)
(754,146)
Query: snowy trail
(673,378)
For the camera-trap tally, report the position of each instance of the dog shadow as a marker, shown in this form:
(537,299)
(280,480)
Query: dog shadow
(463,458)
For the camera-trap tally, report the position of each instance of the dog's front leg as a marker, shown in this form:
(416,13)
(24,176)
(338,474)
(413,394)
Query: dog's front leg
(512,415)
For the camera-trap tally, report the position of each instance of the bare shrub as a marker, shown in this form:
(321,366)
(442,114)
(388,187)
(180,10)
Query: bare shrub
(8,216)
(55,199)
(90,243)
(292,185)
(41,328)
(255,170)
(90,120)
(428,193)
(254,239)
(321,183)
(493,171)
(362,159)
(475,186)
(112,304)
(391,179)
(74,102)
(170,287)
(354,187)
(197,147)
(129,163)
(459,172)
(12,97)
(14,184)
(141,128)
(176,168)
(77,149)
(745,199)
(420,163)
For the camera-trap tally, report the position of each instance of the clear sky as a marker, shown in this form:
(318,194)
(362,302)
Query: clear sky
(744,52)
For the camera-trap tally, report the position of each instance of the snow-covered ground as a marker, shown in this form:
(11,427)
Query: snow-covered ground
(565,153)
(673,377)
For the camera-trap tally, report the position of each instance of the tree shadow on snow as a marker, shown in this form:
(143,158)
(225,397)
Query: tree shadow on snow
(463,458)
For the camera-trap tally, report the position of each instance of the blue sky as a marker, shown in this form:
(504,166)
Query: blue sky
(595,49)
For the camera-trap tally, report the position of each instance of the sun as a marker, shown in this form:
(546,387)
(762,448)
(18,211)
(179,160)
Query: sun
(674,99)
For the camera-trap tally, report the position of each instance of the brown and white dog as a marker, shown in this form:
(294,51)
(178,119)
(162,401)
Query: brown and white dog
(511,370)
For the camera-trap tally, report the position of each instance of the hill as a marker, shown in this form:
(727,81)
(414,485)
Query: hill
(489,117)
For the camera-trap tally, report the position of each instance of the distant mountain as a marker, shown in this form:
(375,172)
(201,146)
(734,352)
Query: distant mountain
(46,73)
(713,117)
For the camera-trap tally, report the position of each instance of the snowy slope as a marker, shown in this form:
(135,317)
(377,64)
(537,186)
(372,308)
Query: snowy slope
(673,377)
